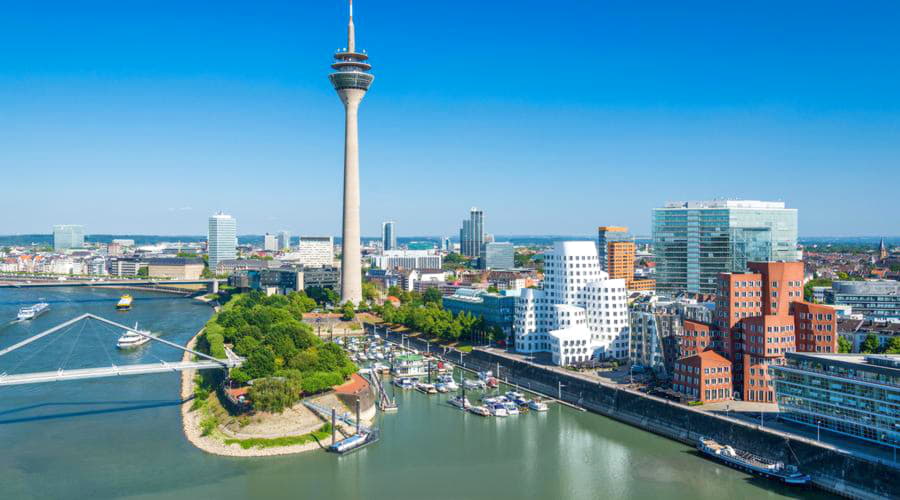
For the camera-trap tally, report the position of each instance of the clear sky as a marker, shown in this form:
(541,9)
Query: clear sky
(554,117)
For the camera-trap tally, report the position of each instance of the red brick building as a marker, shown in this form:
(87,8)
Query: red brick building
(760,315)
(704,377)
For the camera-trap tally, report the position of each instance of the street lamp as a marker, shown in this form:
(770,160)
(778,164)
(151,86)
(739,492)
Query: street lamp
(818,430)
(559,386)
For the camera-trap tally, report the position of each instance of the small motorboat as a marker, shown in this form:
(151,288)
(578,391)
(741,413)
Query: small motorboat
(474,385)
(480,410)
(426,388)
(441,387)
(511,408)
(537,405)
(499,410)
(460,402)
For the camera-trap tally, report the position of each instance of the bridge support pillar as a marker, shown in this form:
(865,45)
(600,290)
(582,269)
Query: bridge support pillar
(214,286)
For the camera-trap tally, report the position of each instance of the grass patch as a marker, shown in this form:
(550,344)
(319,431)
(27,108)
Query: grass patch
(464,348)
(323,433)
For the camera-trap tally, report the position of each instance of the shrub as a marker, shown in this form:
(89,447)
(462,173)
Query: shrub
(207,425)
(317,382)
(274,394)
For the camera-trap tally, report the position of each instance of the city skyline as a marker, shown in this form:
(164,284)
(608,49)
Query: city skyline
(668,116)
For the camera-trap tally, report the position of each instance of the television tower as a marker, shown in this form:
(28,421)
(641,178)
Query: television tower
(351,80)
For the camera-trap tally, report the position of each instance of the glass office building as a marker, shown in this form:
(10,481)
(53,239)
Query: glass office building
(388,236)
(498,256)
(878,299)
(221,240)
(695,241)
(68,236)
(471,236)
(851,394)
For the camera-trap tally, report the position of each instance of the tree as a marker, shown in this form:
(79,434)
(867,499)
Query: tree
(893,347)
(260,362)
(347,312)
(844,345)
(432,296)
(369,291)
(870,344)
(275,394)
(143,272)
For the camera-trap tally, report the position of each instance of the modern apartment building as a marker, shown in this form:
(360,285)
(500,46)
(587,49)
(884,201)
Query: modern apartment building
(313,251)
(407,259)
(270,242)
(705,377)
(388,236)
(498,255)
(471,236)
(578,314)
(221,240)
(695,241)
(875,299)
(664,330)
(68,236)
(854,395)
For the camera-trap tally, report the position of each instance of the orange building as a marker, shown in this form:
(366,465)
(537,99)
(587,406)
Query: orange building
(703,377)
(616,250)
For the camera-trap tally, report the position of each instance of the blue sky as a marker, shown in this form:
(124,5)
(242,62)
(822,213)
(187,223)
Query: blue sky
(554,117)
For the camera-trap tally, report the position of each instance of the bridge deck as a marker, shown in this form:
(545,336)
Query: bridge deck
(112,371)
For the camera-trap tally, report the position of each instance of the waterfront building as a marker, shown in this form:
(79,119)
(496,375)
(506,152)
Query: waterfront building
(283,241)
(285,279)
(695,241)
(175,268)
(663,330)
(388,236)
(704,377)
(853,395)
(578,314)
(96,266)
(68,236)
(351,80)
(471,236)
(874,299)
(125,267)
(313,251)
(221,239)
(497,255)
(407,259)
(497,309)
(270,243)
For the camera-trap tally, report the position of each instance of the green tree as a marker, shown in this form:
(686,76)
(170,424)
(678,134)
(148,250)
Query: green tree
(870,344)
(432,296)
(844,345)
(275,394)
(893,346)
(369,291)
(347,311)
(260,363)
(143,272)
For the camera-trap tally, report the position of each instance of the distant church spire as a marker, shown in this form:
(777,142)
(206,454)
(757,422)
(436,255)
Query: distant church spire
(882,250)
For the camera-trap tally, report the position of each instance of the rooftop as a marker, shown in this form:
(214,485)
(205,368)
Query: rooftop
(724,204)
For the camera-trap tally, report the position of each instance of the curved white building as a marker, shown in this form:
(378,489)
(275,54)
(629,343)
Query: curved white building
(578,314)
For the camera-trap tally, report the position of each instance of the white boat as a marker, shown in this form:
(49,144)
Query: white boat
(448,381)
(405,382)
(511,408)
(537,405)
(130,339)
(480,410)
(441,387)
(460,402)
(513,395)
(475,385)
(426,388)
(32,312)
(499,410)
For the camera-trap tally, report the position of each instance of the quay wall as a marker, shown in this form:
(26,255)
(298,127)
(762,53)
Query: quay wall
(831,469)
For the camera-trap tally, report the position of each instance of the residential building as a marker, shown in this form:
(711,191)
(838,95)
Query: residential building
(221,239)
(283,241)
(497,309)
(704,377)
(313,251)
(695,241)
(68,236)
(856,331)
(853,395)
(578,314)
(471,236)
(875,299)
(125,267)
(388,236)
(175,268)
(270,242)
(407,259)
(446,244)
(498,255)
(420,280)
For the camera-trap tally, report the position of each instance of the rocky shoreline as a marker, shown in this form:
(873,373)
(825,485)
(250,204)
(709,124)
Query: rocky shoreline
(214,445)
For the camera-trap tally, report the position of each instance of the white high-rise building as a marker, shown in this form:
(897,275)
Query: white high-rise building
(578,314)
(270,243)
(407,259)
(313,251)
(221,241)
(284,240)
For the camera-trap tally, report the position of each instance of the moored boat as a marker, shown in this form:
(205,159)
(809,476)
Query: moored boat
(537,405)
(480,411)
(747,462)
(460,402)
(426,388)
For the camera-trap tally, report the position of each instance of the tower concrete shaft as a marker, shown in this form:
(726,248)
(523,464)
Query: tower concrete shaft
(351,80)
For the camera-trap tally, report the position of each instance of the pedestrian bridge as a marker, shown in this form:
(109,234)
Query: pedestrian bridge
(204,361)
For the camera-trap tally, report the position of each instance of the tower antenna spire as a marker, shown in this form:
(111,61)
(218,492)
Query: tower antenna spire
(351,34)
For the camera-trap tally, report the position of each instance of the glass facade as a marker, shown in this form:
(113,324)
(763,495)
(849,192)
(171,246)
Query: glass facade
(497,309)
(854,395)
(693,242)
(68,236)
(471,236)
(388,236)
(498,256)
(872,299)
(221,240)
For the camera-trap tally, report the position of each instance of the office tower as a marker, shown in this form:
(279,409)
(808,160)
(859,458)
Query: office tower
(471,236)
(695,241)
(407,259)
(497,255)
(446,244)
(284,240)
(579,314)
(351,81)
(221,240)
(388,236)
(66,236)
(270,242)
(315,251)
(605,235)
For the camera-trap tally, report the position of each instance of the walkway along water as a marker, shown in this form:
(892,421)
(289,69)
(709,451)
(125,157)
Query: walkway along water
(830,469)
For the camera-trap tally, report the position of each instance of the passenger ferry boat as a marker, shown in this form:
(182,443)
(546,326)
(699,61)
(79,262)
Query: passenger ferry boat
(32,312)
(130,339)
(747,462)
(124,303)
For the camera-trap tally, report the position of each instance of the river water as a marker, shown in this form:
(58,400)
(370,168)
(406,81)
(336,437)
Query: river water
(122,438)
